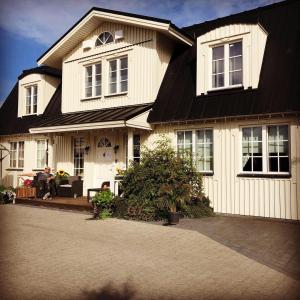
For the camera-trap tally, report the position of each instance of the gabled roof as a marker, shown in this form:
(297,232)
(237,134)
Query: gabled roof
(92,19)
(278,90)
(11,124)
(41,70)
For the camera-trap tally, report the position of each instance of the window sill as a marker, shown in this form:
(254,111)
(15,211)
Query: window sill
(91,98)
(14,169)
(265,175)
(37,170)
(227,88)
(116,94)
(207,173)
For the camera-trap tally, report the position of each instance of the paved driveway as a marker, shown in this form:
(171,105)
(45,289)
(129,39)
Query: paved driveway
(48,254)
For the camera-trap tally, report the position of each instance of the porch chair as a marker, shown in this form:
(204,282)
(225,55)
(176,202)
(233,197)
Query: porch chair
(72,187)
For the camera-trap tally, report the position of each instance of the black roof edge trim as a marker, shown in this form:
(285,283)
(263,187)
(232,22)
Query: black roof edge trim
(232,117)
(250,11)
(41,70)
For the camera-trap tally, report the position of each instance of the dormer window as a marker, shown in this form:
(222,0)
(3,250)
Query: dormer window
(31,99)
(104,38)
(227,65)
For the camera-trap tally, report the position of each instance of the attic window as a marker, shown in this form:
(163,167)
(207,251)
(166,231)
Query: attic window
(104,38)
(104,142)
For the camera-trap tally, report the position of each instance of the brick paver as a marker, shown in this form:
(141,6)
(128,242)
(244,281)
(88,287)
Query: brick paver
(48,254)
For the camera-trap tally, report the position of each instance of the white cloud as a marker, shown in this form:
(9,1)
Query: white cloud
(45,21)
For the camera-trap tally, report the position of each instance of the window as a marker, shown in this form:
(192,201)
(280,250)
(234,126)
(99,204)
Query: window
(78,154)
(118,75)
(16,155)
(104,142)
(252,149)
(199,144)
(265,149)
(136,148)
(104,38)
(278,149)
(41,146)
(227,65)
(31,99)
(93,80)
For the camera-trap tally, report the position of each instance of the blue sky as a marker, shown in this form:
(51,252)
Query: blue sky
(29,27)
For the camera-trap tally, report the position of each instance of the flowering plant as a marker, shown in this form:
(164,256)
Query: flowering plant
(27,182)
(61,174)
(120,171)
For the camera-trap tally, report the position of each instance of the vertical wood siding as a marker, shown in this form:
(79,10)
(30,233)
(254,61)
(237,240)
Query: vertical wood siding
(148,57)
(264,197)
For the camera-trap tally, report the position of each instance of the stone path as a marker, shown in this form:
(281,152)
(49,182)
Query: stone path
(49,254)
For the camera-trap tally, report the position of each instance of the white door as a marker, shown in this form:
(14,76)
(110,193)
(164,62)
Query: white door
(105,159)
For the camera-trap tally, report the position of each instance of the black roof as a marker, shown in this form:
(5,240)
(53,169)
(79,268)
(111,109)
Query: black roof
(278,90)
(41,70)
(122,13)
(11,124)
(122,113)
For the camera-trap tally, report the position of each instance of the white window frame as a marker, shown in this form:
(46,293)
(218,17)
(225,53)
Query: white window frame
(265,154)
(194,130)
(226,65)
(118,78)
(93,80)
(17,155)
(31,99)
(83,156)
(105,42)
(40,165)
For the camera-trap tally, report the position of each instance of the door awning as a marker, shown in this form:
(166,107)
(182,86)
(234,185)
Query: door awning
(126,116)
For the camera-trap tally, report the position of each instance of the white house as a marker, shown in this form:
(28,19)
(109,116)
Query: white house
(228,90)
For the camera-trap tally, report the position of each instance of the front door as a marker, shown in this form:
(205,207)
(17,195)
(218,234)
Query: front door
(104,159)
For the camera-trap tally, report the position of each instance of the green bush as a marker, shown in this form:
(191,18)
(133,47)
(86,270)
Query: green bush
(103,201)
(162,181)
(198,207)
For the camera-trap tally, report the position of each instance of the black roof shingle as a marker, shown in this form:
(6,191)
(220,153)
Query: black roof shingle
(278,90)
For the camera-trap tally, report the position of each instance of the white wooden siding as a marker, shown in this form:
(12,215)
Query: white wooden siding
(264,197)
(254,39)
(46,87)
(9,176)
(148,57)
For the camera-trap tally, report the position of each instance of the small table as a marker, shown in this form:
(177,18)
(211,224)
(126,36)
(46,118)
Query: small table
(92,190)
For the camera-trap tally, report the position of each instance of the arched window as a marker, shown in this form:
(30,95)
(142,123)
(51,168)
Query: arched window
(104,38)
(104,142)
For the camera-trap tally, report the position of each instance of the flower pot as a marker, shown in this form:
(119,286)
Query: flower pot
(173,218)
(96,211)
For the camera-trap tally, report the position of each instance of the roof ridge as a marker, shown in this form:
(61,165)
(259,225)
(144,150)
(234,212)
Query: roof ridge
(242,13)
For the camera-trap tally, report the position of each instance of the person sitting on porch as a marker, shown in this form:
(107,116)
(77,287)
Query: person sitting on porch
(46,181)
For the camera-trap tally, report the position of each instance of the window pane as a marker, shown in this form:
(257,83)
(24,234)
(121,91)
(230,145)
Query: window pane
(235,77)
(246,148)
(113,65)
(98,80)
(247,164)
(257,148)
(284,164)
(272,133)
(283,148)
(273,164)
(218,52)
(257,163)
(188,137)
(112,88)
(208,136)
(88,71)
(200,136)
(98,90)
(218,80)
(124,87)
(272,148)
(235,63)
(257,133)
(235,49)
(124,75)
(124,63)
(88,92)
(180,137)
(113,76)
(246,134)
(283,133)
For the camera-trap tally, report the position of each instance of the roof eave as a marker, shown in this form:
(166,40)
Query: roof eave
(162,26)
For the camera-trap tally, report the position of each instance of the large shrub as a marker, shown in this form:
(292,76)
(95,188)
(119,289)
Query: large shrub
(161,172)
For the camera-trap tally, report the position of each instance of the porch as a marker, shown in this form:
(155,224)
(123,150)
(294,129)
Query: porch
(65,203)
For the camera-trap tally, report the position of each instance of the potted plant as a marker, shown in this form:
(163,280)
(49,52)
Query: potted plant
(171,196)
(61,177)
(102,202)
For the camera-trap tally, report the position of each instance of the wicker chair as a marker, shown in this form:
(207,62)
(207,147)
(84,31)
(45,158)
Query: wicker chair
(72,187)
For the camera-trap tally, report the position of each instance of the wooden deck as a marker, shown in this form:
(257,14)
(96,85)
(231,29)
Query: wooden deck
(79,204)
